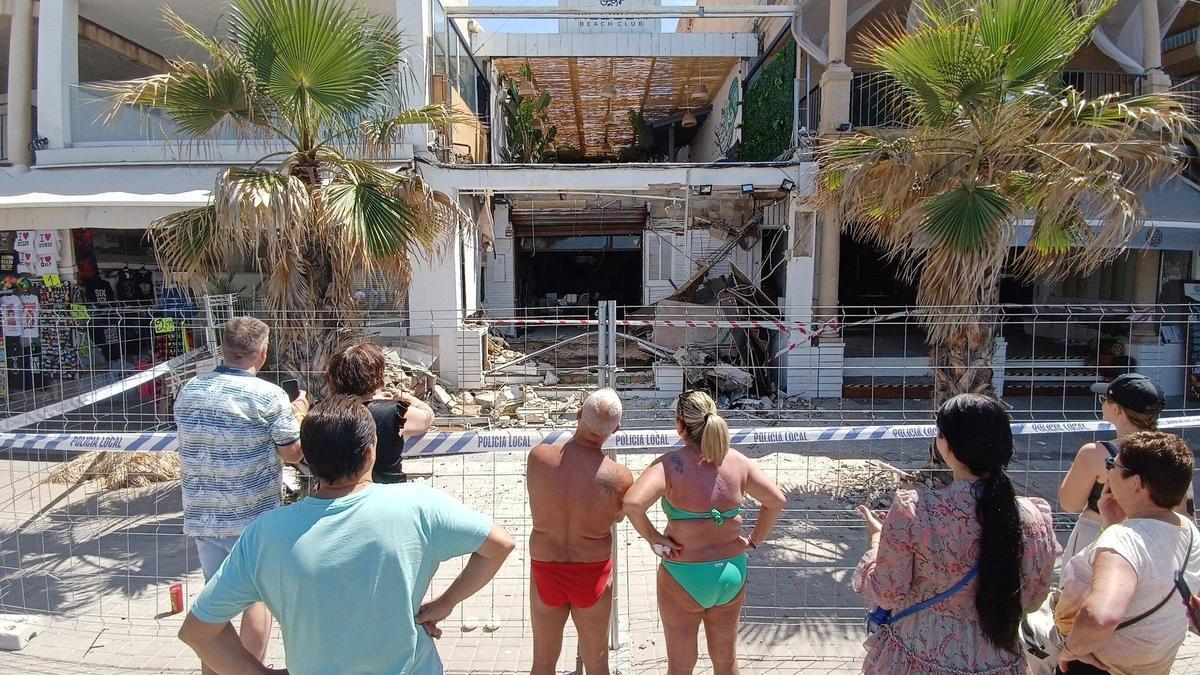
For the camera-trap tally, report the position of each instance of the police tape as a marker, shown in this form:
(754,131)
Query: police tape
(504,440)
(95,396)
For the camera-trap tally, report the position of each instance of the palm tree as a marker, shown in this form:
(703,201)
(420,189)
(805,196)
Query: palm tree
(323,79)
(994,140)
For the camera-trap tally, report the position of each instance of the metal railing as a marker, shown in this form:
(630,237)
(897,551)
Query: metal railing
(1180,39)
(875,100)
(90,561)
(1093,84)
(808,112)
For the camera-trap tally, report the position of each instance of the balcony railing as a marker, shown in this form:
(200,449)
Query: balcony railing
(809,112)
(1093,84)
(1180,39)
(90,124)
(877,101)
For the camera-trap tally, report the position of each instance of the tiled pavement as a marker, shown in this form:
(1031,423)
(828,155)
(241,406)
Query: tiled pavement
(101,564)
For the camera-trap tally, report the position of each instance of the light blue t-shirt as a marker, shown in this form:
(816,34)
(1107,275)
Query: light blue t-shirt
(345,577)
(230,426)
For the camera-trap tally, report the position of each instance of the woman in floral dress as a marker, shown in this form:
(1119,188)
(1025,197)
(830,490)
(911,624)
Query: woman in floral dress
(929,541)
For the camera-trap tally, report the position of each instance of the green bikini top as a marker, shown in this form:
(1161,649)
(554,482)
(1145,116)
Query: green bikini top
(675,513)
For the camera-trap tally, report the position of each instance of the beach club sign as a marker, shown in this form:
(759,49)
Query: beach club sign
(604,21)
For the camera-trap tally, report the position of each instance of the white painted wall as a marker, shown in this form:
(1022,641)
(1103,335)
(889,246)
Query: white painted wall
(705,146)
(500,275)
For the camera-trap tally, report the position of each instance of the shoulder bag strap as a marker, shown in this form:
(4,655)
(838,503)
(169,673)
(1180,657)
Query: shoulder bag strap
(939,597)
(1129,622)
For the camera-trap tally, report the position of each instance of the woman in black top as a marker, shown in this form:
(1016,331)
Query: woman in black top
(357,370)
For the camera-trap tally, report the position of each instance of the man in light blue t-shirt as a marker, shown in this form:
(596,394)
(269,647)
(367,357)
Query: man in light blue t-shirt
(344,570)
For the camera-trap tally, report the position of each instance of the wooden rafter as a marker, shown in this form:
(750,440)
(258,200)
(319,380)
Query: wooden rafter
(649,79)
(652,85)
(578,106)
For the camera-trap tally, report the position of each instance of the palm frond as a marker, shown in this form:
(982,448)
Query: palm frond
(319,61)
(197,98)
(189,245)
(377,135)
(967,217)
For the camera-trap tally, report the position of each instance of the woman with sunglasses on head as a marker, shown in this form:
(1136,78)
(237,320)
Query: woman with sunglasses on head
(1131,403)
(1119,608)
(986,552)
(702,579)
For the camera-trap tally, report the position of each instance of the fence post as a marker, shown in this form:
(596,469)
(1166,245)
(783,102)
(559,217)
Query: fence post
(608,366)
(210,326)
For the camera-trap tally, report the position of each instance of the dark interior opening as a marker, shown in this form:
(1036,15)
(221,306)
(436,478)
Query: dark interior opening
(590,268)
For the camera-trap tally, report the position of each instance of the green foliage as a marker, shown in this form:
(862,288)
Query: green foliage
(966,216)
(767,113)
(528,134)
(643,140)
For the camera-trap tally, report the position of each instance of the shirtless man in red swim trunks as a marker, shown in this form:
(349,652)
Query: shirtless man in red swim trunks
(575,496)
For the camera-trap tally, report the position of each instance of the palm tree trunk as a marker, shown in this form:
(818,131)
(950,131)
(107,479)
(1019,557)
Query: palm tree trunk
(963,365)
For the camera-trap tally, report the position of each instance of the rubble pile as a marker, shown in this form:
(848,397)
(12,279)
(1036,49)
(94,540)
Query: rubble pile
(409,369)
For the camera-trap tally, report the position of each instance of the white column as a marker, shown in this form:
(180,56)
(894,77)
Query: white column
(837,31)
(20,85)
(1151,37)
(57,68)
(835,81)
(1157,81)
(415,20)
(830,265)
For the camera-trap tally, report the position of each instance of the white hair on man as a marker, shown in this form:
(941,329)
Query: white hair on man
(601,412)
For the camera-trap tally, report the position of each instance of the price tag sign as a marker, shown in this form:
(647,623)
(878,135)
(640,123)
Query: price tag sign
(52,280)
(163,326)
(79,311)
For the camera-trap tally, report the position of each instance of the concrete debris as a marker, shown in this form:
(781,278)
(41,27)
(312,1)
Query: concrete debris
(699,366)
(413,375)
(442,396)
(674,337)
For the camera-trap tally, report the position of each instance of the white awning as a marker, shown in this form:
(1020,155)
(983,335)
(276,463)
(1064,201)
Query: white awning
(113,197)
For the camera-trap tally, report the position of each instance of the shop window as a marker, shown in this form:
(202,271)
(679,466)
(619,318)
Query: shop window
(124,246)
(1175,269)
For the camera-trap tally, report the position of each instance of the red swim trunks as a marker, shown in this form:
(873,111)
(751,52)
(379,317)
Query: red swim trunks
(577,584)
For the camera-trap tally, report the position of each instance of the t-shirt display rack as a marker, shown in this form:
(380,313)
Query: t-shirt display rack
(54,330)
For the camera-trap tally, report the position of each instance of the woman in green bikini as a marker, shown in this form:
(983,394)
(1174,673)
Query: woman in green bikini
(702,578)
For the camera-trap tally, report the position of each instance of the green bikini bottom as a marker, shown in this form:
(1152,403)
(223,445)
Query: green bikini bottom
(712,583)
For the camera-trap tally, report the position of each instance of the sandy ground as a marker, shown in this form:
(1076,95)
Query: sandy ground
(94,567)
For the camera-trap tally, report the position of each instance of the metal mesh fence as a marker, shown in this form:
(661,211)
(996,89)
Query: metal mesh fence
(92,565)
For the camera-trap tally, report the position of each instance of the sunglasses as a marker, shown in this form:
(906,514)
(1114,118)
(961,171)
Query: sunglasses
(1103,399)
(1111,462)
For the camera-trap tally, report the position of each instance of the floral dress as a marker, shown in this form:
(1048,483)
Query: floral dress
(929,542)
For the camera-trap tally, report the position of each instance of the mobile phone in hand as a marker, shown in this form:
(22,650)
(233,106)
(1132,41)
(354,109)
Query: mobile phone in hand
(292,387)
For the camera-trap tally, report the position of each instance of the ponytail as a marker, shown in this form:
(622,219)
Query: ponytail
(977,430)
(703,425)
(1001,547)
(714,439)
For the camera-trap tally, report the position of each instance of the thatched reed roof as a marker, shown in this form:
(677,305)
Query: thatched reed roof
(659,87)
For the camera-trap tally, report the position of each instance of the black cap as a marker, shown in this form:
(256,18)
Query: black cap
(1132,391)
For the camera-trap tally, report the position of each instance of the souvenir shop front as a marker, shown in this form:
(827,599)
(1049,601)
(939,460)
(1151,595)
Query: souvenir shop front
(86,306)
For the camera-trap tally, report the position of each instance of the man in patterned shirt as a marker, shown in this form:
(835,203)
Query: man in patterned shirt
(235,430)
